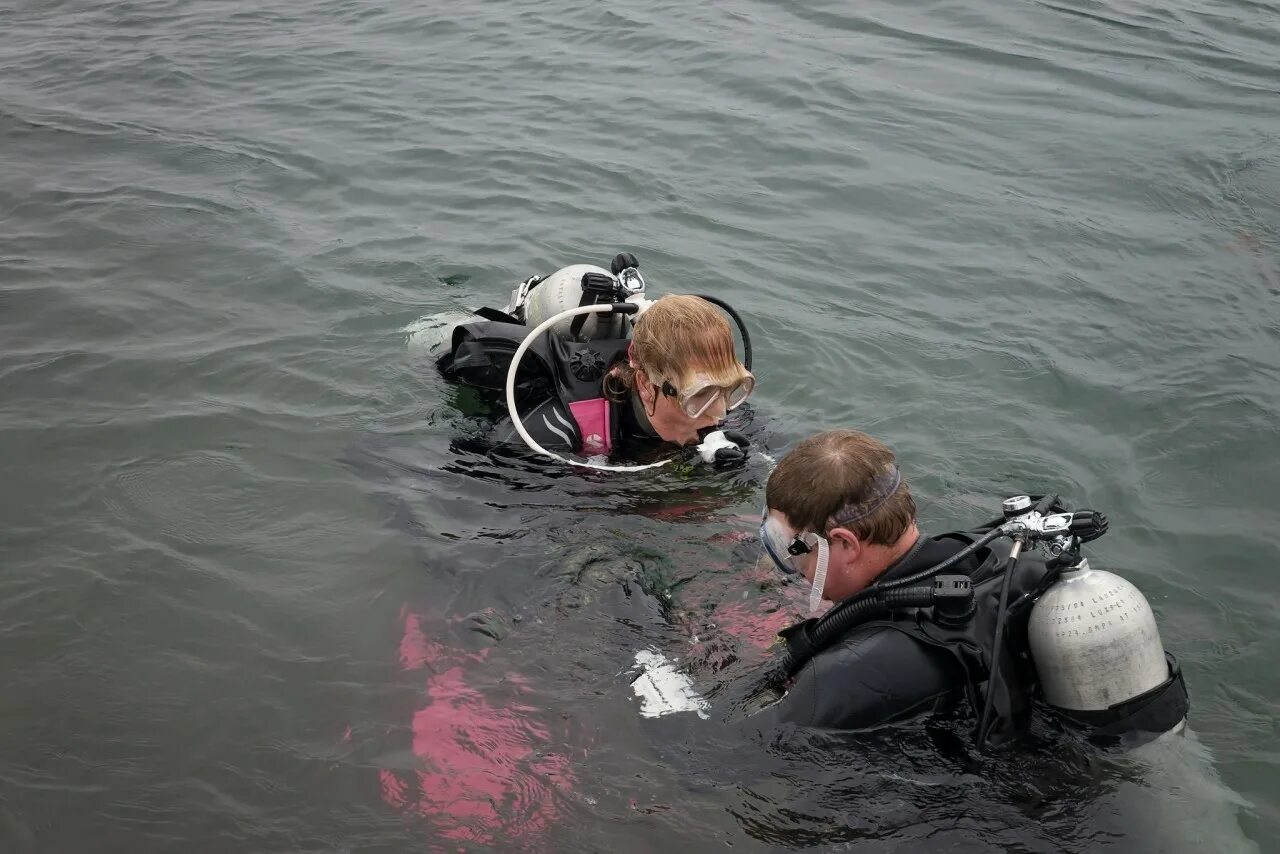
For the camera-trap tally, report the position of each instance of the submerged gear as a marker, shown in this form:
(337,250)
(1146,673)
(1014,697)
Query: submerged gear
(877,658)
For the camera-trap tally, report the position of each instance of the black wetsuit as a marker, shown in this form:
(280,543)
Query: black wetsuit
(876,674)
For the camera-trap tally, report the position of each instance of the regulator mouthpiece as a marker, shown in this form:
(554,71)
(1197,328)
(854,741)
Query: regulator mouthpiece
(714,441)
(723,448)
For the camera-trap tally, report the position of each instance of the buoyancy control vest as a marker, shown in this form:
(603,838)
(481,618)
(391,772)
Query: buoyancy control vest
(568,365)
(570,371)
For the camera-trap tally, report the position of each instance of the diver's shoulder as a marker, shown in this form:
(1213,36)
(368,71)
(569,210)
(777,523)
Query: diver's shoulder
(879,645)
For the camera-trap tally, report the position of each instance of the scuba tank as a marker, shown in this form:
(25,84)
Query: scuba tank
(1094,641)
(1091,634)
(540,298)
(563,290)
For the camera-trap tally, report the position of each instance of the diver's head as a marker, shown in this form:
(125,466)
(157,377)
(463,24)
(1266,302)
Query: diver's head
(682,367)
(839,496)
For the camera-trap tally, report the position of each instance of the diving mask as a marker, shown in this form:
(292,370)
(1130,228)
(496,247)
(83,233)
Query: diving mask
(789,550)
(700,395)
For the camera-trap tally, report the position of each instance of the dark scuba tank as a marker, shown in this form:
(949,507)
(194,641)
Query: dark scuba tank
(1094,641)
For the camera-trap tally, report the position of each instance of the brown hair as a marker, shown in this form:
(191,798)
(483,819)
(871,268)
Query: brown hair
(675,335)
(835,471)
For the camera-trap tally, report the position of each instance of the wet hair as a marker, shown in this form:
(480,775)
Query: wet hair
(675,335)
(843,479)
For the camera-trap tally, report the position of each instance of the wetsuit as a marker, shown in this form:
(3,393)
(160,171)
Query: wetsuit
(876,674)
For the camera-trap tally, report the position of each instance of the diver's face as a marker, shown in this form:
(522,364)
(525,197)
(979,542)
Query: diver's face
(669,420)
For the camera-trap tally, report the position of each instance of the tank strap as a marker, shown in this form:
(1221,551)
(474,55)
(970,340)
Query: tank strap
(1149,714)
(497,316)
(594,425)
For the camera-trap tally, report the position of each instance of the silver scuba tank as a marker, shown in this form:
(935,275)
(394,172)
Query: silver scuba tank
(562,290)
(1094,641)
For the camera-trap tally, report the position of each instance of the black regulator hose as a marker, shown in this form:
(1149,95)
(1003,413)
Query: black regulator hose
(742,327)
(984,721)
(806,639)
(993,534)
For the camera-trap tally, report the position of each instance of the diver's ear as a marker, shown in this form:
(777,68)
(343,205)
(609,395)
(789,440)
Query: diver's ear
(644,388)
(648,392)
(846,542)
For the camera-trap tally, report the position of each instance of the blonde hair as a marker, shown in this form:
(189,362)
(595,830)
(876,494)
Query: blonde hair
(675,335)
(837,470)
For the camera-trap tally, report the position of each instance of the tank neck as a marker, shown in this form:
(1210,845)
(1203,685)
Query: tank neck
(1078,570)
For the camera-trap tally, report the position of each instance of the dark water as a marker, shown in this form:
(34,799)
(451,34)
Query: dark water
(252,599)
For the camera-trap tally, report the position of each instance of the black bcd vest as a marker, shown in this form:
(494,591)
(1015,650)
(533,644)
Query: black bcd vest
(1015,685)
(481,354)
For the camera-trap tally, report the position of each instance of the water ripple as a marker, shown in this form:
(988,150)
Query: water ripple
(1030,246)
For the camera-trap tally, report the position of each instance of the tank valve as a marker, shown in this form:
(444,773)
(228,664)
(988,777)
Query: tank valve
(1015,506)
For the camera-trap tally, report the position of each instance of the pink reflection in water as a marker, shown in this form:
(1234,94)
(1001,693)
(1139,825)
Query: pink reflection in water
(487,773)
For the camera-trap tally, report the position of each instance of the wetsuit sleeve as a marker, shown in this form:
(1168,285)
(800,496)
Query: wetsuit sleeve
(875,677)
(549,423)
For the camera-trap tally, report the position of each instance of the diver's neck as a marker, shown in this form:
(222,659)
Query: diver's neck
(897,554)
(642,417)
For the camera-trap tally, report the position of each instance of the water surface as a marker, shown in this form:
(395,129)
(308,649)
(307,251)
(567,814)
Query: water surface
(1029,246)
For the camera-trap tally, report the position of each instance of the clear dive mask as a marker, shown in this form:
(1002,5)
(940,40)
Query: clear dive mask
(695,399)
(790,550)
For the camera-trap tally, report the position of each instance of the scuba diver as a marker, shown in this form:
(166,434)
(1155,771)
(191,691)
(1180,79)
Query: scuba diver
(588,365)
(923,623)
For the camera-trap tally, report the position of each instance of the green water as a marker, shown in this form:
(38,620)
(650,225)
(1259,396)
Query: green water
(1028,246)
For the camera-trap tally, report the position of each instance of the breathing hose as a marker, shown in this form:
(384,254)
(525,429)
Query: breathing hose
(742,327)
(993,534)
(514,369)
(995,653)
